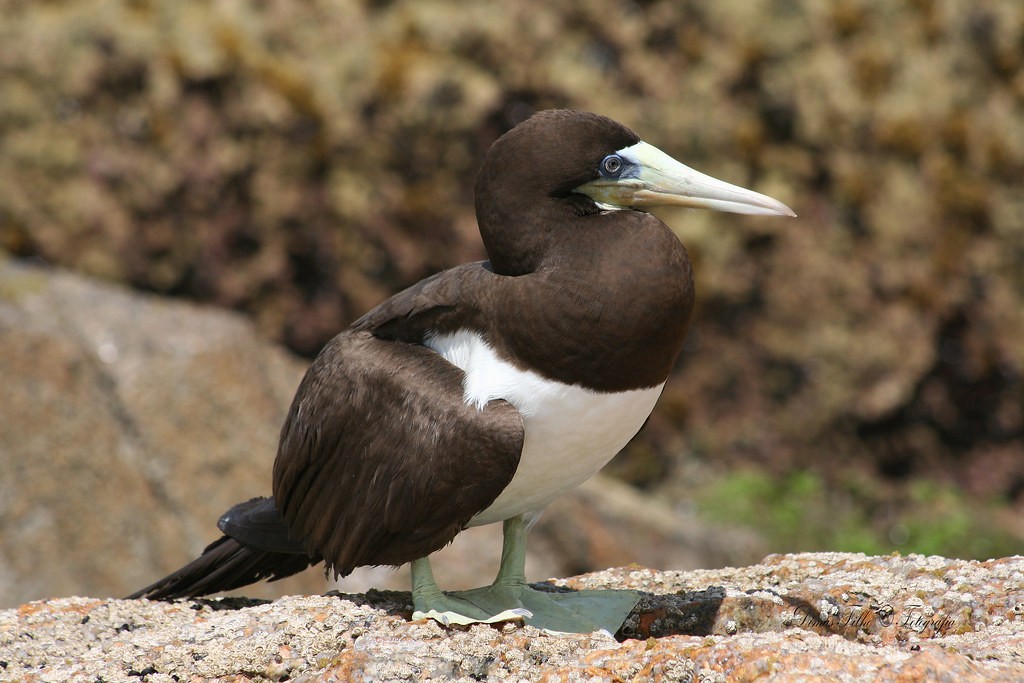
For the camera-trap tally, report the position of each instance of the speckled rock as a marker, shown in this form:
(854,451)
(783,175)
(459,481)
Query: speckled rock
(791,618)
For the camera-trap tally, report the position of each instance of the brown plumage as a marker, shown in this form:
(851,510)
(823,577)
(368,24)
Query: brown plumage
(382,458)
(374,454)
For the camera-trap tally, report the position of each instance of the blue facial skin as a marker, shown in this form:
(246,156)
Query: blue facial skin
(614,166)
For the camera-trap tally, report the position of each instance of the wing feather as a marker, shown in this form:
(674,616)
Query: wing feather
(380,459)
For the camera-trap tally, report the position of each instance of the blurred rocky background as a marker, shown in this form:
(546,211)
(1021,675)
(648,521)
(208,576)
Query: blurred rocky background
(852,380)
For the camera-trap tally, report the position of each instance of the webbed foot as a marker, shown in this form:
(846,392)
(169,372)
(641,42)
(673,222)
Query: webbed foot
(510,598)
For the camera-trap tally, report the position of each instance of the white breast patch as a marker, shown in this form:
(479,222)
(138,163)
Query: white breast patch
(571,432)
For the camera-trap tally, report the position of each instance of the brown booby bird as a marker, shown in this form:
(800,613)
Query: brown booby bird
(482,393)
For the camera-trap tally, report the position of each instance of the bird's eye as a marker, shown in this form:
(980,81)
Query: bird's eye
(611,166)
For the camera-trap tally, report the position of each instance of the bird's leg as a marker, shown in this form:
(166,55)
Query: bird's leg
(512,571)
(424,588)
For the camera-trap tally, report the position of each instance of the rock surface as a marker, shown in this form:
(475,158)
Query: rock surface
(128,424)
(843,617)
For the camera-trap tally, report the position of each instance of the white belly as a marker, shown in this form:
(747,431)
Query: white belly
(571,432)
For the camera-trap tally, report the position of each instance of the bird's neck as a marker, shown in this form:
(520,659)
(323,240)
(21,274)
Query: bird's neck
(520,234)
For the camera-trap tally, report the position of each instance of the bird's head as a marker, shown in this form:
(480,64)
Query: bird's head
(560,164)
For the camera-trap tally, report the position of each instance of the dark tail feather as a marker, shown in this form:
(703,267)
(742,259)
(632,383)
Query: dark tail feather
(256,546)
(225,565)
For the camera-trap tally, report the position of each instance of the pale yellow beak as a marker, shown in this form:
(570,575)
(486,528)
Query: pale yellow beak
(649,177)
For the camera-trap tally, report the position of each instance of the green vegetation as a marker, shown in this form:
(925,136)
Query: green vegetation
(802,512)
